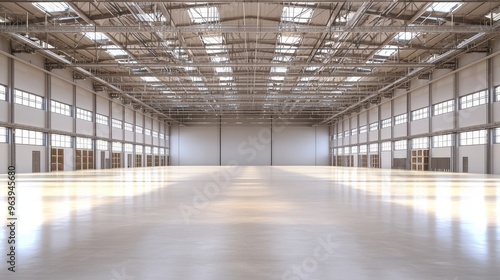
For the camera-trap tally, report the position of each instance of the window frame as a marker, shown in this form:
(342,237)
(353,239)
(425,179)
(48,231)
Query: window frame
(444,107)
(420,114)
(83,114)
(28,99)
(474,99)
(60,108)
(401,119)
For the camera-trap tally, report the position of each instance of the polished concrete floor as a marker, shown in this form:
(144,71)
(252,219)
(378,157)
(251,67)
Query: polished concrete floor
(255,223)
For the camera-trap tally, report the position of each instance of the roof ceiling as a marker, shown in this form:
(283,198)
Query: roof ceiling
(202,62)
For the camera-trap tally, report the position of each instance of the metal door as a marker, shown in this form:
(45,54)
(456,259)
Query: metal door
(35,161)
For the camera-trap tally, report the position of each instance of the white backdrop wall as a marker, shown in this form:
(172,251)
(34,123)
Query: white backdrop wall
(249,145)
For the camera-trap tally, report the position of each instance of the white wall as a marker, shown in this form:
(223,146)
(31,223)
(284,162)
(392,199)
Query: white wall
(249,145)
(294,146)
(198,145)
(4,111)
(4,151)
(24,158)
(385,160)
(477,156)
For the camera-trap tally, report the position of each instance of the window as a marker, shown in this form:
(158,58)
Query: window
(129,148)
(28,99)
(3,90)
(474,99)
(497,93)
(129,127)
(347,150)
(101,119)
(296,14)
(147,132)
(83,114)
(155,134)
(354,131)
(339,136)
(420,143)
(354,150)
(439,141)
(477,137)
(386,146)
(3,134)
(102,145)
(138,149)
(148,150)
(373,126)
(29,137)
(373,148)
(117,147)
(116,123)
(162,136)
(347,133)
(386,123)
(443,107)
(83,143)
(60,108)
(362,149)
(401,119)
(138,129)
(155,150)
(340,151)
(334,137)
(362,129)
(420,114)
(63,141)
(497,135)
(400,145)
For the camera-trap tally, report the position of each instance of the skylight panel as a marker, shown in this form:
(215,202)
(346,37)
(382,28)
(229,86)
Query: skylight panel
(96,36)
(214,49)
(196,79)
(189,68)
(211,40)
(312,68)
(286,49)
(493,16)
(353,79)
(150,79)
(307,79)
(204,14)
(444,7)
(387,51)
(179,53)
(289,40)
(277,78)
(223,70)
(225,79)
(277,69)
(115,51)
(51,7)
(296,14)
(405,36)
(150,17)
(283,58)
(219,58)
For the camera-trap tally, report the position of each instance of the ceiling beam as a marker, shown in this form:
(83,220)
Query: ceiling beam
(401,64)
(138,28)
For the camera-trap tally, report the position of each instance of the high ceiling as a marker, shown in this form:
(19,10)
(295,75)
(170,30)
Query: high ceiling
(204,62)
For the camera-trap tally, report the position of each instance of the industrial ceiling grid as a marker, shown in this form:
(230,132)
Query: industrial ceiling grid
(206,62)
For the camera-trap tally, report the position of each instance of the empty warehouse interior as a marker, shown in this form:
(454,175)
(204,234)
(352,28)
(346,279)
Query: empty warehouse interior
(250,139)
